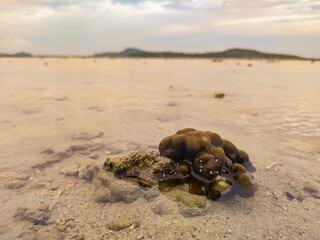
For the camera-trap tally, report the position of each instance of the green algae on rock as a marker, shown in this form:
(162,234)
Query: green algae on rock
(192,166)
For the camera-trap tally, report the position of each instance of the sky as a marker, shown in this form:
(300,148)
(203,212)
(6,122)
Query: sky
(81,27)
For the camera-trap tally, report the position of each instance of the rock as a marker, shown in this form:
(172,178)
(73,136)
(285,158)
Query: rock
(83,173)
(54,187)
(95,156)
(162,209)
(103,194)
(35,228)
(180,194)
(14,184)
(37,184)
(219,95)
(222,186)
(61,227)
(70,170)
(186,211)
(274,166)
(110,189)
(43,207)
(312,190)
(140,163)
(36,218)
(79,237)
(48,151)
(119,225)
(150,194)
(23,177)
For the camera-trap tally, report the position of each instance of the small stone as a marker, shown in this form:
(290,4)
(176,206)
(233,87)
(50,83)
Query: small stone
(219,95)
(14,184)
(312,190)
(161,209)
(36,228)
(150,194)
(94,156)
(61,227)
(84,173)
(23,177)
(48,151)
(37,184)
(71,224)
(222,186)
(54,187)
(70,170)
(140,237)
(43,207)
(119,225)
(36,218)
(79,237)
(110,189)
(186,211)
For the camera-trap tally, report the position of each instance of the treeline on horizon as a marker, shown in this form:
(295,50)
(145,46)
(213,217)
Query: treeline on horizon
(136,53)
(233,53)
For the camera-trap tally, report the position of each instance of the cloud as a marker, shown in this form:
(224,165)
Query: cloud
(84,27)
(128,1)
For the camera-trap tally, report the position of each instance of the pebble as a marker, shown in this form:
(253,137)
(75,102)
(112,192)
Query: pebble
(94,157)
(37,184)
(14,184)
(119,225)
(79,237)
(312,190)
(83,173)
(43,207)
(70,170)
(54,187)
(191,211)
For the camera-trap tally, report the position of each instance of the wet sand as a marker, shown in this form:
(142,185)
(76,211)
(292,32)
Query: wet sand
(59,116)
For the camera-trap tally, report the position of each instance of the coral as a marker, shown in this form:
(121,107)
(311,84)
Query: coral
(243,157)
(231,150)
(222,186)
(207,166)
(192,166)
(246,181)
(179,193)
(135,167)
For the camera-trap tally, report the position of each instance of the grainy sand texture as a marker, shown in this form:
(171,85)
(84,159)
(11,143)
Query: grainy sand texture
(60,119)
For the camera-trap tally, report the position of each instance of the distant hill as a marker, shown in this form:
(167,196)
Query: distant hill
(124,53)
(137,53)
(19,54)
(231,53)
(22,54)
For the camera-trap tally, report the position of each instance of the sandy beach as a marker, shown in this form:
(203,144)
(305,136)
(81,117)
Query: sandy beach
(60,118)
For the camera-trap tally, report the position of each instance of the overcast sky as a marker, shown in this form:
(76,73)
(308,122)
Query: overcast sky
(91,26)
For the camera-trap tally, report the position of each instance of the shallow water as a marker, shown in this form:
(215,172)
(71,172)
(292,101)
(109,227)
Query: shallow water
(270,110)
